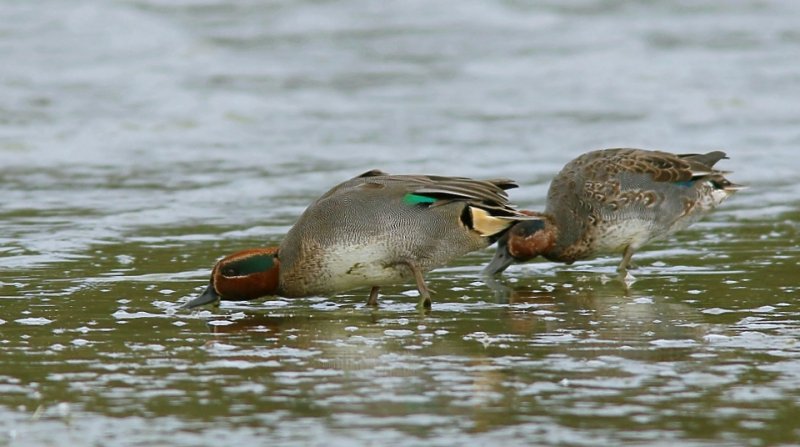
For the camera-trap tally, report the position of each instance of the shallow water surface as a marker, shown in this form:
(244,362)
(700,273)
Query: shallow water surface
(142,140)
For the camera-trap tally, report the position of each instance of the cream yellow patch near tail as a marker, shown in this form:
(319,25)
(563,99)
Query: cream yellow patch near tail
(486,224)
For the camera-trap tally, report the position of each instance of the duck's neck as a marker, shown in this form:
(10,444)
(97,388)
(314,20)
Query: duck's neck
(534,238)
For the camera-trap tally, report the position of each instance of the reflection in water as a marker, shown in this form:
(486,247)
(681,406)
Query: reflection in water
(554,348)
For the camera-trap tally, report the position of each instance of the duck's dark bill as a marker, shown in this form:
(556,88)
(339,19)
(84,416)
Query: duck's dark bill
(502,259)
(207,297)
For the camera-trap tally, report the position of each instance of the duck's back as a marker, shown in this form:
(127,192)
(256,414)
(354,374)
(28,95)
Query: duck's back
(605,200)
(359,232)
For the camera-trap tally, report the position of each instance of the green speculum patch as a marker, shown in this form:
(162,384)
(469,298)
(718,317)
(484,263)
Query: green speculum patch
(417,199)
(685,184)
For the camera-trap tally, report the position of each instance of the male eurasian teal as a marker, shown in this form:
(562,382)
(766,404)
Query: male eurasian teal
(372,230)
(616,201)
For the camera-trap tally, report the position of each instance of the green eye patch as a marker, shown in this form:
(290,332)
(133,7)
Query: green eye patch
(249,265)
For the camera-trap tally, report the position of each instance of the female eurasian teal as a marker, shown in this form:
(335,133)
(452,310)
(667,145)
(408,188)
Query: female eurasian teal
(372,230)
(616,201)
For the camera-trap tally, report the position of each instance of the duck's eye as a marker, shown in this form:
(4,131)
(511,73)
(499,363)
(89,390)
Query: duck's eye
(720,184)
(229,271)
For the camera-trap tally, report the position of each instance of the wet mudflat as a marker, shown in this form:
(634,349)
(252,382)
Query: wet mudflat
(141,141)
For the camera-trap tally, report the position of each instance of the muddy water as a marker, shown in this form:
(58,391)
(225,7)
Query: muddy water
(140,141)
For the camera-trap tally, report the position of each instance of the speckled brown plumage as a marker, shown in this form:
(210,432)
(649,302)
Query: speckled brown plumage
(616,201)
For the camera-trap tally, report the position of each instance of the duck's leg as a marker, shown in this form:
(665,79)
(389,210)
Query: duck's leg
(424,293)
(624,275)
(373,296)
(626,261)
